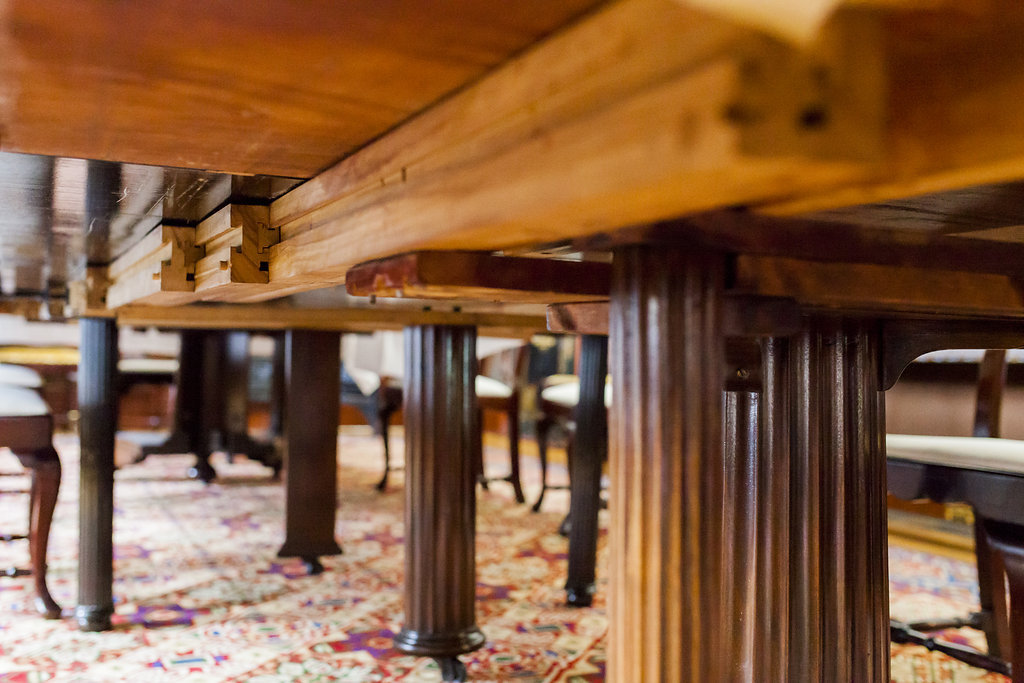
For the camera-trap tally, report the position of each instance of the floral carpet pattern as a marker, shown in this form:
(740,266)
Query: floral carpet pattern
(200,594)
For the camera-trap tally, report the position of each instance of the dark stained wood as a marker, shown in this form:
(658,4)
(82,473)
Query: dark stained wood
(283,90)
(313,372)
(587,455)
(97,405)
(919,232)
(740,450)
(742,316)
(667,470)
(989,404)
(30,438)
(771,646)
(185,436)
(479,275)
(852,286)
(440,496)
(1007,539)
(905,339)
(839,617)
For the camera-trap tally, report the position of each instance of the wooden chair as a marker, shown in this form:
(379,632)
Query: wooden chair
(380,404)
(504,396)
(26,428)
(378,398)
(557,401)
(987,473)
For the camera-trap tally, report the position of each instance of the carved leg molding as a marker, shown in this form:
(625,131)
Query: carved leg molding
(669,617)
(440,496)
(757,553)
(839,613)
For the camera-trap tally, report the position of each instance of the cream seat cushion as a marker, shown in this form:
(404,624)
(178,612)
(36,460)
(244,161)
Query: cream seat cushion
(156,366)
(567,394)
(488,387)
(964,452)
(19,375)
(16,401)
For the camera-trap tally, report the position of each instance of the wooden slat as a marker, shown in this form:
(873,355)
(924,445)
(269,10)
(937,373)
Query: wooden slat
(639,112)
(878,288)
(280,88)
(742,317)
(237,240)
(159,270)
(339,319)
(477,275)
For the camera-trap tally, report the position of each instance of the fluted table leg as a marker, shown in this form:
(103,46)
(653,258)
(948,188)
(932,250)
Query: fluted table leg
(440,496)
(731,562)
(668,620)
(823,526)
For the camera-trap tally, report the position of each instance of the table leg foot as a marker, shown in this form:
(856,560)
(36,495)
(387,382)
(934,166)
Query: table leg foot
(313,565)
(580,596)
(93,618)
(203,471)
(452,669)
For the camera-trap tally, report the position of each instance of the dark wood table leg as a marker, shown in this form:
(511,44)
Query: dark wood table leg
(97,404)
(312,371)
(440,497)
(666,465)
(187,397)
(588,455)
(235,390)
(839,610)
(692,598)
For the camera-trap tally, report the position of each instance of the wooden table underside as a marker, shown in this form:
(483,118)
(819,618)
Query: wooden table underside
(871,171)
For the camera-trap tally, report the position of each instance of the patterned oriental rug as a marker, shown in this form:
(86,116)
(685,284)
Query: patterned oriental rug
(200,594)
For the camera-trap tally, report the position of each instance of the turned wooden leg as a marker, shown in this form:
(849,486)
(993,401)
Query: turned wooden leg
(839,616)
(667,469)
(588,454)
(440,497)
(1008,540)
(97,405)
(44,465)
(313,371)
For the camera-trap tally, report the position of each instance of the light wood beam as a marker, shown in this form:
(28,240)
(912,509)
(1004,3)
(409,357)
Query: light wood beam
(158,270)
(369,319)
(642,111)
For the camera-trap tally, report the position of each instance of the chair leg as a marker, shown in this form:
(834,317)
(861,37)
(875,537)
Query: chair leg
(478,455)
(1008,541)
(993,617)
(513,451)
(384,420)
(543,429)
(46,472)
